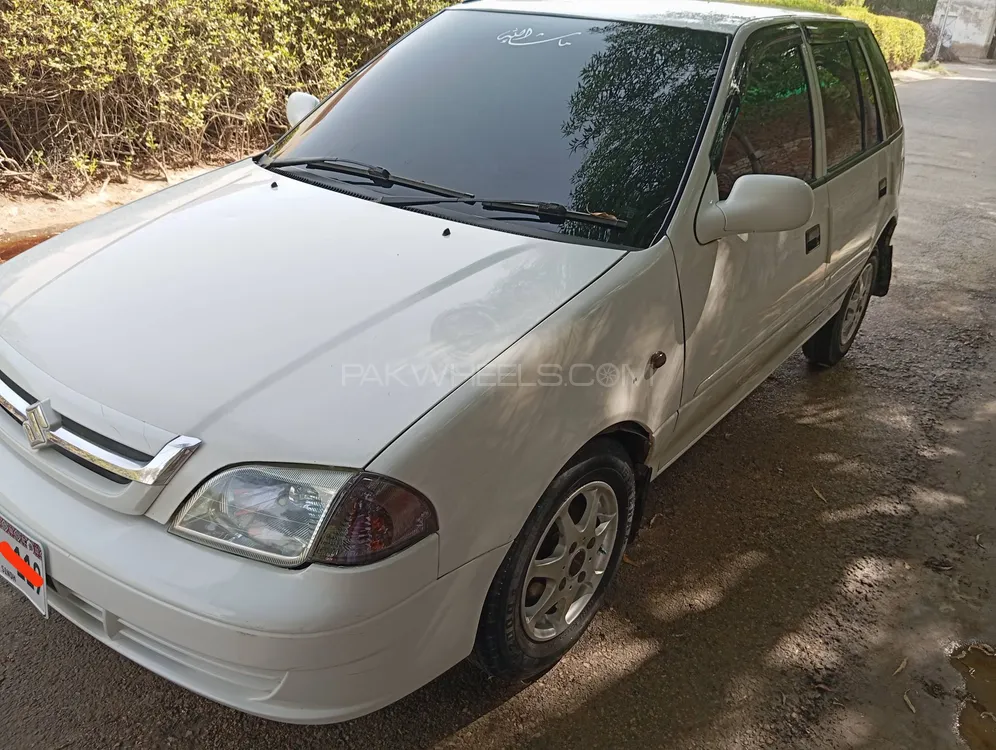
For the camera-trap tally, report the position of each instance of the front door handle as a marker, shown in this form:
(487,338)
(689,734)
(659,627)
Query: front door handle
(883,187)
(812,238)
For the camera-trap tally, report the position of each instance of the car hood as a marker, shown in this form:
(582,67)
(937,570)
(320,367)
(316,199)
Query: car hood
(275,319)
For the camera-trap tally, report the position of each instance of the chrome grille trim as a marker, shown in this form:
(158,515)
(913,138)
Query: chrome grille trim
(156,472)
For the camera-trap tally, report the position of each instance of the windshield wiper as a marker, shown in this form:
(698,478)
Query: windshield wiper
(371,172)
(555,211)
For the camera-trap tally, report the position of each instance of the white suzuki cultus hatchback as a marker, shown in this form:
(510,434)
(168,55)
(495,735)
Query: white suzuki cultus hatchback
(304,432)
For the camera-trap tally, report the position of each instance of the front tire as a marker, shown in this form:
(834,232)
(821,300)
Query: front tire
(829,344)
(554,577)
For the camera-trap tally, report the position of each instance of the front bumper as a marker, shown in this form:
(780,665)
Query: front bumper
(317,645)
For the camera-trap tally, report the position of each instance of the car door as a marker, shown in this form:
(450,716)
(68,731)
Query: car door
(765,287)
(858,172)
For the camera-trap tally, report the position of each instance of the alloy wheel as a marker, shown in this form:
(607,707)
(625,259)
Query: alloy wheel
(856,305)
(569,563)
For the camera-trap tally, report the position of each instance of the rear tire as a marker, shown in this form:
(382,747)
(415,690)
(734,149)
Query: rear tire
(829,344)
(554,577)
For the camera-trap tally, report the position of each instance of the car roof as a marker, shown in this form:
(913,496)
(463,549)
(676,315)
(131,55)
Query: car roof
(698,14)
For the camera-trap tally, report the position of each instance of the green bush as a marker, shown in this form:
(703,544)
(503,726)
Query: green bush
(915,10)
(902,41)
(809,6)
(90,86)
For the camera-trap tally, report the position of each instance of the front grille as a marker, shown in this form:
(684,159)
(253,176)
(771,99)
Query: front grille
(75,427)
(100,454)
(98,470)
(105,442)
(16,388)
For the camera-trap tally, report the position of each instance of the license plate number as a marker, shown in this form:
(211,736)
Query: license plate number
(22,564)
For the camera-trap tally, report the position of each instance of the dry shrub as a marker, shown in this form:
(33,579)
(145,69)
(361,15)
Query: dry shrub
(89,87)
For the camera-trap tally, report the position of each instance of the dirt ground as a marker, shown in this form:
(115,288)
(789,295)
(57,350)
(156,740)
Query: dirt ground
(24,218)
(808,571)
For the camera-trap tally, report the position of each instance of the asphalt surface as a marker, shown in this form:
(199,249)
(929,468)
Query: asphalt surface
(837,526)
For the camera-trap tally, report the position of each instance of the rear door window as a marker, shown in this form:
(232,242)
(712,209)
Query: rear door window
(891,120)
(773,132)
(842,104)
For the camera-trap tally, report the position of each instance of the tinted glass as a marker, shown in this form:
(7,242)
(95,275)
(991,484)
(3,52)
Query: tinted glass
(892,121)
(773,133)
(841,101)
(595,115)
(869,106)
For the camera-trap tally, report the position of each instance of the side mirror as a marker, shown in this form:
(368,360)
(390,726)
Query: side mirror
(299,106)
(757,203)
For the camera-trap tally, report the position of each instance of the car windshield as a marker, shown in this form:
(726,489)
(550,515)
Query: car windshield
(600,117)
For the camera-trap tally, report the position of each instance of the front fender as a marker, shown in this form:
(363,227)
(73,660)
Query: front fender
(487,452)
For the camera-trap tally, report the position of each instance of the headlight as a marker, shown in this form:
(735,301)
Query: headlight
(289,516)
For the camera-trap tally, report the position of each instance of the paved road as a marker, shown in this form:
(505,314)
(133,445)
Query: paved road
(821,535)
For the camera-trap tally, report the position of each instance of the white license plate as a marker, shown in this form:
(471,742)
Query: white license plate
(23,575)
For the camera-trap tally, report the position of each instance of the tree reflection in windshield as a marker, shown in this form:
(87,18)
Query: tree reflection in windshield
(599,116)
(636,113)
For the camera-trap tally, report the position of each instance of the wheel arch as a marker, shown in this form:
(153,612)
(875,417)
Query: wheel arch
(883,278)
(638,442)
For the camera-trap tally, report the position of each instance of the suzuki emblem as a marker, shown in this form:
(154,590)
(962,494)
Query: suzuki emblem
(39,424)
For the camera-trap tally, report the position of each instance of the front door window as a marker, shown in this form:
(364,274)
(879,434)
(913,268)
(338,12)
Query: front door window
(773,133)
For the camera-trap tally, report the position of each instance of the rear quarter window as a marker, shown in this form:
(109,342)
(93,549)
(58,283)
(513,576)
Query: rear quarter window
(891,119)
(869,102)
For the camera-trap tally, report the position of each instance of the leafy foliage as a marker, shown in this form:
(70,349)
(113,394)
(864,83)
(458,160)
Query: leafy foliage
(916,10)
(636,114)
(810,6)
(88,86)
(902,41)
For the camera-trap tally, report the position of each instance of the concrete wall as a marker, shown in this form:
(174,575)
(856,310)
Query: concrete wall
(970,25)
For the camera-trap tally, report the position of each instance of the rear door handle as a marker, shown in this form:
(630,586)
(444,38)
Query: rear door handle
(812,238)
(883,187)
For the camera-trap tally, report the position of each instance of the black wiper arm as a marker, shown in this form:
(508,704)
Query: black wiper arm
(371,172)
(554,211)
